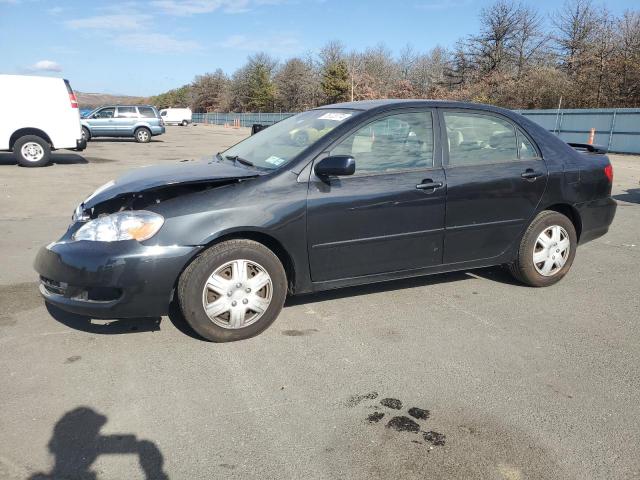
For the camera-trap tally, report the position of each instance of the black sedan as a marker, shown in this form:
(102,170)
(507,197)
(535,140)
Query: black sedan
(341,195)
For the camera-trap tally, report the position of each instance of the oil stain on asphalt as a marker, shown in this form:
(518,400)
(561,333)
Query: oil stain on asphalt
(299,333)
(399,423)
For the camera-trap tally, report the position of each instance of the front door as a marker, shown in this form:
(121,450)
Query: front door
(388,216)
(102,123)
(495,179)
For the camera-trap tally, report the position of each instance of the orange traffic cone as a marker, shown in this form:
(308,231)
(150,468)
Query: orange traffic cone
(592,135)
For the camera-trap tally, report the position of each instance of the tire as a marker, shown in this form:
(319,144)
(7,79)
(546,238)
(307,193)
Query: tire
(32,151)
(226,326)
(142,135)
(536,274)
(184,123)
(86,133)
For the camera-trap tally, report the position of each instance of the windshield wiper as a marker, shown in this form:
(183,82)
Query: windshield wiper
(236,158)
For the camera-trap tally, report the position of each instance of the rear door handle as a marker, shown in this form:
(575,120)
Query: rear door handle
(530,174)
(429,184)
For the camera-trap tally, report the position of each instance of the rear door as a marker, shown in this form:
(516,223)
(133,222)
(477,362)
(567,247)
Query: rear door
(389,215)
(495,179)
(126,118)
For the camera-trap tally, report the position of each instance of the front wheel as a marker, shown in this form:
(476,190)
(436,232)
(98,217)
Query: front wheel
(546,251)
(184,123)
(143,135)
(86,134)
(232,291)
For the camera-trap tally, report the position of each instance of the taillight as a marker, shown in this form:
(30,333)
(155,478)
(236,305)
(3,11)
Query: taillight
(608,171)
(74,100)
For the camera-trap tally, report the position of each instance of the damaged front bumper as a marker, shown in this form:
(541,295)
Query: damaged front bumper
(122,279)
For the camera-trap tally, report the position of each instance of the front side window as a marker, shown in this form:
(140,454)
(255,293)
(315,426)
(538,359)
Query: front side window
(475,139)
(105,113)
(127,112)
(147,112)
(403,141)
(278,144)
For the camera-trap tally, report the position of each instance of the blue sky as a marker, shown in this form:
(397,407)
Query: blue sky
(146,47)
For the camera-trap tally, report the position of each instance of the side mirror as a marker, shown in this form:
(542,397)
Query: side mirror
(336,165)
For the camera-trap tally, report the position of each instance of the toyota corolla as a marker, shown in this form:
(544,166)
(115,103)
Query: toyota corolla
(386,190)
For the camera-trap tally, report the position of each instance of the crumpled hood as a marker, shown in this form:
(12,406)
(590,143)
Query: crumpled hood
(155,176)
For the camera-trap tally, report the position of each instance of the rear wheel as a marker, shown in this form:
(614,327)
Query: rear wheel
(232,291)
(184,123)
(546,251)
(32,151)
(143,135)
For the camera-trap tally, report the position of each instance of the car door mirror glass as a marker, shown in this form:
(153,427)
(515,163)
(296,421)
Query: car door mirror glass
(336,165)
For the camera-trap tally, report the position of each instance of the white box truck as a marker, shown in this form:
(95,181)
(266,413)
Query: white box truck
(39,114)
(176,116)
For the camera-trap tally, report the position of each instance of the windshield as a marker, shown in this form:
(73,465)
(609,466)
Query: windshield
(277,145)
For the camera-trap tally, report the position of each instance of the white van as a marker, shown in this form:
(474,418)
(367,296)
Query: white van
(176,116)
(39,114)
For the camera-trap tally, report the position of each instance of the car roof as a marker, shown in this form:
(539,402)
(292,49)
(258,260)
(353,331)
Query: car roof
(383,104)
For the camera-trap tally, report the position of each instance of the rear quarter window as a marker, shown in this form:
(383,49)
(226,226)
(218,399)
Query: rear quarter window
(147,112)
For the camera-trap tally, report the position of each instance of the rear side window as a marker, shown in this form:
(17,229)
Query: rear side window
(476,139)
(127,112)
(164,114)
(403,141)
(525,148)
(147,112)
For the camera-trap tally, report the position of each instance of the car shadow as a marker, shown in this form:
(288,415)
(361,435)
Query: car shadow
(103,327)
(7,158)
(631,196)
(77,442)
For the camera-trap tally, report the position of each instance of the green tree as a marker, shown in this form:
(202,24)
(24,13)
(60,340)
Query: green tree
(335,82)
(261,90)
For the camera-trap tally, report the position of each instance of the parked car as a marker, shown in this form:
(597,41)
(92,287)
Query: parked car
(39,114)
(176,116)
(395,189)
(138,121)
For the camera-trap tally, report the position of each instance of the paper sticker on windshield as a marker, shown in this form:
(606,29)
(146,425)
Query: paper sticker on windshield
(338,117)
(273,160)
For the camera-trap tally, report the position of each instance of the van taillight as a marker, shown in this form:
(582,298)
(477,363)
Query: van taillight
(74,100)
(608,171)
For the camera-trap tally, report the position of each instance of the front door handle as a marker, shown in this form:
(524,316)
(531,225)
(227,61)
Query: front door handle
(429,184)
(530,174)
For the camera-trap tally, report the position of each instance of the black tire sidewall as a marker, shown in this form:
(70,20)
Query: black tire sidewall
(138,130)
(23,162)
(527,270)
(193,279)
(87,133)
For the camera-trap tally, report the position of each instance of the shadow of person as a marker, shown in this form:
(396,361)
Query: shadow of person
(76,443)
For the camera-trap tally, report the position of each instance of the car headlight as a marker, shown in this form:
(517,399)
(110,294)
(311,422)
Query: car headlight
(127,225)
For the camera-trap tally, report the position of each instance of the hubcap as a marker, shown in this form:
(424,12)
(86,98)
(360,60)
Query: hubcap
(237,294)
(143,135)
(551,250)
(32,151)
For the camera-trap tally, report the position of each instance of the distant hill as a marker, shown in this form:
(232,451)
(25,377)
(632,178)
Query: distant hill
(88,100)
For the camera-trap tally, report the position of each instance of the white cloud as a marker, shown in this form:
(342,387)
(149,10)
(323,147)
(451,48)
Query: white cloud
(193,7)
(278,44)
(155,43)
(118,22)
(46,66)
